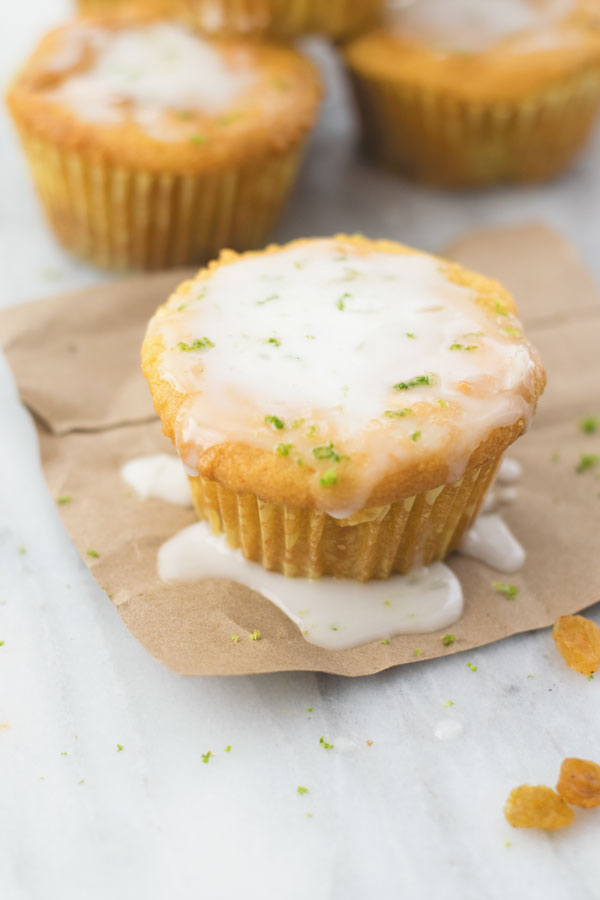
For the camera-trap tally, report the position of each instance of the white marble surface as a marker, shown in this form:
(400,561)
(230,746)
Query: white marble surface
(408,816)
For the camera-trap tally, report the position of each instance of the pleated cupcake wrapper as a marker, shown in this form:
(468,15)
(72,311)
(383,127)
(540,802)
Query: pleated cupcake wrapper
(444,141)
(306,543)
(279,18)
(127,219)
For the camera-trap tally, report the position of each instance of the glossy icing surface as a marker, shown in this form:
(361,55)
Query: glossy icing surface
(142,70)
(471,26)
(340,360)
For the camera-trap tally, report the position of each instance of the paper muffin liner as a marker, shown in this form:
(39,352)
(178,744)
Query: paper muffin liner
(374,543)
(120,218)
(444,141)
(337,19)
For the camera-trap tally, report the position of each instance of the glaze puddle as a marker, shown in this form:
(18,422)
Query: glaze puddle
(160,475)
(331,612)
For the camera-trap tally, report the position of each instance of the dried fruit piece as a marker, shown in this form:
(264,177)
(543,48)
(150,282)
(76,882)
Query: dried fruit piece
(578,641)
(579,782)
(537,806)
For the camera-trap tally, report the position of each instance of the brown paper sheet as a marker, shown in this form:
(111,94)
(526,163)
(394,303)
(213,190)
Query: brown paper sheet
(76,362)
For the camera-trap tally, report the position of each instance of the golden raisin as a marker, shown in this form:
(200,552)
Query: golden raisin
(537,806)
(579,782)
(578,641)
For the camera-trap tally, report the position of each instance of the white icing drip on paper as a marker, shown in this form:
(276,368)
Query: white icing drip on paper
(448,729)
(331,612)
(319,335)
(509,471)
(478,25)
(492,542)
(143,71)
(160,475)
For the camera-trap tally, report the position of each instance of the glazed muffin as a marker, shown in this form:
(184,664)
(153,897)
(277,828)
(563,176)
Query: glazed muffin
(471,92)
(340,404)
(151,146)
(283,19)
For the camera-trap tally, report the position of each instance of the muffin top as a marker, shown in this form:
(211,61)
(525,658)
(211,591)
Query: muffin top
(339,373)
(478,47)
(150,92)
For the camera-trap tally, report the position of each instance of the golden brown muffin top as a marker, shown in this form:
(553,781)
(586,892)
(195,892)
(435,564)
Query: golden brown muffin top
(490,50)
(339,373)
(150,93)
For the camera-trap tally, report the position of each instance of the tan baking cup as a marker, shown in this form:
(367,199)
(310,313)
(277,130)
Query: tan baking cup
(455,142)
(122,218)
(336,19)
(373,543)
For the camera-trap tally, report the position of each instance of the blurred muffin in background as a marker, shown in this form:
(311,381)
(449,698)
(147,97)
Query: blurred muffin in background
(282,19)
(152,146)
(470,92)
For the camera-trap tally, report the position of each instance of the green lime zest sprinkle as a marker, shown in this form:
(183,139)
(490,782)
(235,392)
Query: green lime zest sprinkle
(463,347)
(1,643)
(227,749)
(267,299)
(22,550)
(203,343)
(62,500)
(510,591)
(511,331)
(385,643)
(398,413)
(92,553)
(324,744)
(327,451)
(120,747)
(410,335)
(500,309)
(302,790)
(471,667)
(590,677)
(82,781)
(297,423)
(587,461)
(273,340)
(206,756)
(329,478)
(418,652)
(415,436)
(275,422)
(255,636)
(419,381)
(309,709)
(311,431)
(283,449)
(449,703)
(235,638)
(448,639)
(341,303)
(590,424)
(198,139)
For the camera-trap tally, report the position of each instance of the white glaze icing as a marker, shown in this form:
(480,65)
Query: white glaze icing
(478,25)
(448,729)
(509,471)
(160,475)
(492,542)
(330,612)
(318,336)
(144,70)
